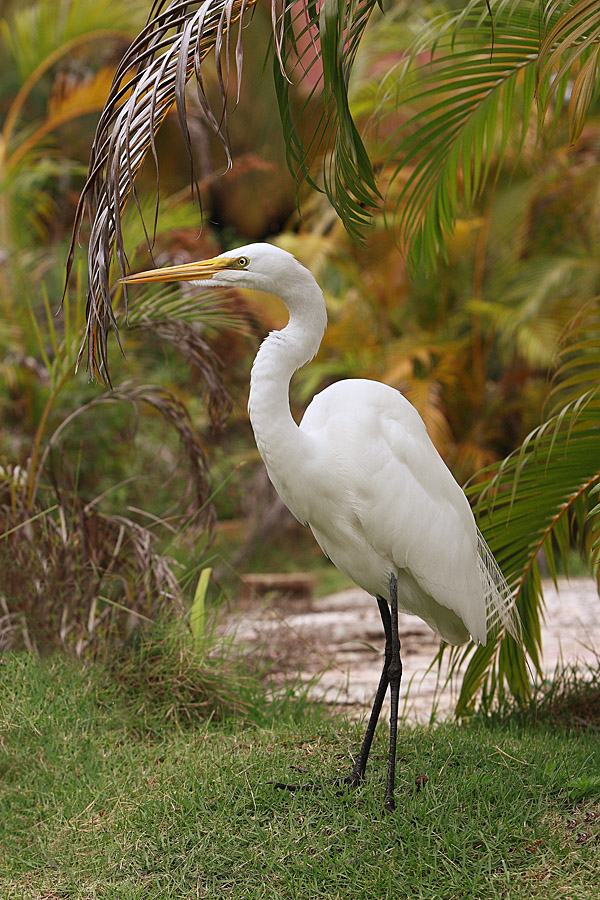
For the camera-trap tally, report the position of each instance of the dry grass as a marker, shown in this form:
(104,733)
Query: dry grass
(73,577)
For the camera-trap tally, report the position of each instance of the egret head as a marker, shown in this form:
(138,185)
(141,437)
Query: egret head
(259,267)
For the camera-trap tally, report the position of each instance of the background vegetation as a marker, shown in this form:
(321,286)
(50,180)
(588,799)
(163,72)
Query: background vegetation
(466,159)
(436,147)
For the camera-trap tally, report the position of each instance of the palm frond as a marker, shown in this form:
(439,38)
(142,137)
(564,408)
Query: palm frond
(535,304)
(533,491)
(204,309)
(321,48)
(175,415)
(541,499)
(186,337)
(538,501)
(152,78)
(466,98)
(571,38)
(484,75)
(578,375)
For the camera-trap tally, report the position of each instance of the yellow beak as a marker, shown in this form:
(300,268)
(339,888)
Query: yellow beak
(194,271)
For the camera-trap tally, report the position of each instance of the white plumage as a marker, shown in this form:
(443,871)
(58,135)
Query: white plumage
(397,508)
(361,471)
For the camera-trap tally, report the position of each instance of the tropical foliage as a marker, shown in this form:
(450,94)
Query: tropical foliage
(84,546)
(543,500)
(542,497)
(465,137)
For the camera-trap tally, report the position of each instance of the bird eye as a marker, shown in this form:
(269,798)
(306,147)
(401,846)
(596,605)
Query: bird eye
(243,262)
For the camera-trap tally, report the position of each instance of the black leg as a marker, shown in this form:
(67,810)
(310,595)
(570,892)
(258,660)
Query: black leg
(391,674)
(358,770)
(394,674)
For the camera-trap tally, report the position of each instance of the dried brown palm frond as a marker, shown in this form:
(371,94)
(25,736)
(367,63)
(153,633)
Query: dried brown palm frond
(175,414)
(152,78)
(186,338)
(72,573)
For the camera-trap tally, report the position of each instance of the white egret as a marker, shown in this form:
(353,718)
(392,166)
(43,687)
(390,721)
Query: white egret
(362,472)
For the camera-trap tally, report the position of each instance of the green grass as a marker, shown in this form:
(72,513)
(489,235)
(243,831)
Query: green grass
(94,806)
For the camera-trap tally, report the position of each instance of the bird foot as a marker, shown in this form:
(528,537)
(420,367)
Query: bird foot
(283,786)
(342,782)
(352,780)
(348,781)
(389,804)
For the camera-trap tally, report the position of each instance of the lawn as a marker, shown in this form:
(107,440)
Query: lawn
(94,805)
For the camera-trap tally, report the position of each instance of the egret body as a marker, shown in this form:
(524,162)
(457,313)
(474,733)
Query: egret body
(362,472)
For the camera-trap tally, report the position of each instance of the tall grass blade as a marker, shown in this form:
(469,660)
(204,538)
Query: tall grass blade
(198,610)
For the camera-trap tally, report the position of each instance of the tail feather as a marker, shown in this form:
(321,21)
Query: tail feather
(500,601)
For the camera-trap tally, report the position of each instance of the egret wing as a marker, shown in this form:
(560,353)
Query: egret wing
(404,499)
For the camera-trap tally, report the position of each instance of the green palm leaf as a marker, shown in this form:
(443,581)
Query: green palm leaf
(542,497)
(331,35)
(485,81)
(467,99)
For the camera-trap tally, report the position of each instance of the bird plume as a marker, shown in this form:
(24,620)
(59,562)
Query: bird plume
(500,600)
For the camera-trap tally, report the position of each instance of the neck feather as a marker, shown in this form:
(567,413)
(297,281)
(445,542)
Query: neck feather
(279,440)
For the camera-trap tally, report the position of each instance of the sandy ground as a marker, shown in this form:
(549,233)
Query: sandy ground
(337,642)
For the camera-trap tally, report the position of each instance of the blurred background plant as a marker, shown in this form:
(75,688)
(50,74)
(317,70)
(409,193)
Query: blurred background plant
(494,344)
(493,306)
(94,486)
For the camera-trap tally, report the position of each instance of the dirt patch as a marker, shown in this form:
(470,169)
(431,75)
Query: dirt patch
(338,641)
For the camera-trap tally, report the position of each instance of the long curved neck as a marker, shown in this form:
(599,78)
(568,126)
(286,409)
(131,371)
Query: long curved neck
(279,440)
